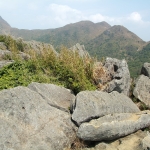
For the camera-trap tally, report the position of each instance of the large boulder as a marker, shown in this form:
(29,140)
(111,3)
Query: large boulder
(94,104)
(120,75)
(113,126)
(146,69)
(130,142)
(55,96)
(142,89)
(27,122)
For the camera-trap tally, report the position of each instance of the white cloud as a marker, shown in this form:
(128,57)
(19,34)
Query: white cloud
(135,16)
(64,14)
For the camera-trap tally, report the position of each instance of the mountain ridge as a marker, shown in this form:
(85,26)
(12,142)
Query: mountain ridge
(100,40)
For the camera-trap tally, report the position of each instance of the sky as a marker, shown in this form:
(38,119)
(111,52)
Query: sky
(48,14)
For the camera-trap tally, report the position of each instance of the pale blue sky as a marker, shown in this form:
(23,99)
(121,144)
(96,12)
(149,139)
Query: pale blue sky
(45,14)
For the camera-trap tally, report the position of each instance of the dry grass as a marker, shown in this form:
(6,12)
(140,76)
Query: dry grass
(100,75)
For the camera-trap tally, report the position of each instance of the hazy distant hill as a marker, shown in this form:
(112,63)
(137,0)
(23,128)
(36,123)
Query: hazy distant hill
(68,35)
(4,26)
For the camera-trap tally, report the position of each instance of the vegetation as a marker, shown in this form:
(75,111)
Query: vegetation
(67,69)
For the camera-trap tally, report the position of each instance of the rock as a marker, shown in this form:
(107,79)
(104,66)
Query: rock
(142,89)
(24,56)
(130,142)
(39,47)
(5,63)
(80,49)
(27,122)
(55,96)
(120,75)
(146,142)
(3,46)
(94,104)
(5,54)
(113,126)
(146,69)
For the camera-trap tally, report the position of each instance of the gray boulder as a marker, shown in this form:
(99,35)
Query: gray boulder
(113,126)
(130,142)
(94,104)
(146,142)
(80,49)
(5,63)
(146,69)
(3,46)
(55,96)
(27,122)
(120,75)
(5,54)
(142,89)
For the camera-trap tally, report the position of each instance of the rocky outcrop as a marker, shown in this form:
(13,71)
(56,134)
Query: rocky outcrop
(142,89)
(28,122)
(120,75)
(95,104)
(55,96)
(113,126)
(80,49)
(146,69)
(39,48)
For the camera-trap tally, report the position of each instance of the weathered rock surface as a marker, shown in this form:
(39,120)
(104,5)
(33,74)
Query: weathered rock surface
(55,96)
(146,69)
(3,46)
(5,54)
(5,63)
(27,122)
(113,126)
(120,74)
(130,142)
(146,142)
(94,104)
(142,89)
(80,49)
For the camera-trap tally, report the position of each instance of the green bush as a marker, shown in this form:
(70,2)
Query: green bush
(67,69)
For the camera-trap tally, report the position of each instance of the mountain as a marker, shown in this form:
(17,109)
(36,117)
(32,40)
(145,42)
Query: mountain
(68,35)
(4,26)
(100,40)
(116,41)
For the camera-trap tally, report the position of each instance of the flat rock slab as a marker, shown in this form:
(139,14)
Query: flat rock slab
(130,142)
(55,96)
(113,126)
(95,104)
(27,122)
(142,89)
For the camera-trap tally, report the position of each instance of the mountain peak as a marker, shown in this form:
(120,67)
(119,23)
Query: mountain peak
(3,24)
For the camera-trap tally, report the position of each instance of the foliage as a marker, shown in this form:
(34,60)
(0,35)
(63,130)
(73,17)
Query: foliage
(67,69)
(12,44)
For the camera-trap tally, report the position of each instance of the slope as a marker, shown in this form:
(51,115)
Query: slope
(116,42)
(68,35)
